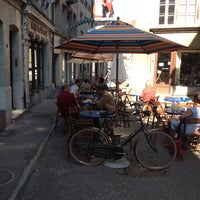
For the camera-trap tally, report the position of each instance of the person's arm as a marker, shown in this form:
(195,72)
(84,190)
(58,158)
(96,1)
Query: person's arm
(99,102)
(186,114)
(142,94)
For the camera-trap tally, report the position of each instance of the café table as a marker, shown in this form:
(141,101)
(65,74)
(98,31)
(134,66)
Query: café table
(174,112)
(86,95)
(86,102)
(97,114)
(174,99)
(83,99)
(135,95)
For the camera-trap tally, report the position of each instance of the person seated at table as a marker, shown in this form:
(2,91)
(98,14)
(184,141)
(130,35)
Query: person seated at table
(85,86)
(65,97)
(106,100)
(101,81)
(75,88)
(148,93)
(190,113)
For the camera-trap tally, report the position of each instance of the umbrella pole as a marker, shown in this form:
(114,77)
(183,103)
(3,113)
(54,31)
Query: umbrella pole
(117,80)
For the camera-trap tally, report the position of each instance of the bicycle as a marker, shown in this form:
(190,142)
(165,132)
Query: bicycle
(153,149)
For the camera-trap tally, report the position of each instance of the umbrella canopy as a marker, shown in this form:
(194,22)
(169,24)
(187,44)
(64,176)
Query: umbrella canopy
(122,37)
(119,37)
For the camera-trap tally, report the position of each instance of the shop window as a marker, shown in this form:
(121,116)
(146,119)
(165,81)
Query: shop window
(163,68)
(36,67)
(190,69)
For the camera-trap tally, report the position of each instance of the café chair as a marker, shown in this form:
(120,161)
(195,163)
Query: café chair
(193,139)
(65,112)
(62,112)
(72,120)
(124,104)
(76,124)
(183,140)
(157,118)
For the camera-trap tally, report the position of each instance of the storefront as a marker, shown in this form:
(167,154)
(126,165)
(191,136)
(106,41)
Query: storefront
(178,73)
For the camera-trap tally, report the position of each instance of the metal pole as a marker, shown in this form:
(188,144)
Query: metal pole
(117,80)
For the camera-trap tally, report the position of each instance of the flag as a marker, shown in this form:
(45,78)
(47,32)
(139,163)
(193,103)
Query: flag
(49,2)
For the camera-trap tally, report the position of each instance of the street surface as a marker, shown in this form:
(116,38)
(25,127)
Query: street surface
(56,178)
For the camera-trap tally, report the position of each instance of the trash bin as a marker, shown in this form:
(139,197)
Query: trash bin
(2,120)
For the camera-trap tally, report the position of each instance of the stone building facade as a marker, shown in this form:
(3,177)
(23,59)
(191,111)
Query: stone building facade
(30,68)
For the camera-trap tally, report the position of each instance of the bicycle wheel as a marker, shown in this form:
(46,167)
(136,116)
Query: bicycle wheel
(80,146)
(156,150)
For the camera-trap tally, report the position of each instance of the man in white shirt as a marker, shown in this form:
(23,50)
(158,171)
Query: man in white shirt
(75,88)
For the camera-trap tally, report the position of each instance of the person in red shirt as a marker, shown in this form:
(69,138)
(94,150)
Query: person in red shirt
(148,93)
(66,98)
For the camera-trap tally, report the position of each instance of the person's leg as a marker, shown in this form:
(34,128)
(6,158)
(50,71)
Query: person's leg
(173,126)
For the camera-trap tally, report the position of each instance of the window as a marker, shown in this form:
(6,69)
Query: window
(167,9)
(163,68)
(190,69)
(36,67)
(186,11)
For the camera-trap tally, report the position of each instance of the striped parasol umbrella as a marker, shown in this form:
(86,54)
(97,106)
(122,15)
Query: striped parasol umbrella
(119,37)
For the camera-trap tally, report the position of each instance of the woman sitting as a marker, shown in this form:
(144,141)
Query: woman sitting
(188,129)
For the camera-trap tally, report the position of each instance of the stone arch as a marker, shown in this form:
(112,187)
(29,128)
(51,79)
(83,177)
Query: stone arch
(12,27)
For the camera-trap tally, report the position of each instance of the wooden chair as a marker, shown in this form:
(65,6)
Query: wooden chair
(62,112)
(158,117)
(72,121)
(65,112)
(124,104)
(75,124)
(192,138)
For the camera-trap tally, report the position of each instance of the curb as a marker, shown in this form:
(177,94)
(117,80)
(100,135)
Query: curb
(28,170)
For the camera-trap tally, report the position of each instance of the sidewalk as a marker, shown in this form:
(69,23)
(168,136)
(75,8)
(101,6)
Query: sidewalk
(21,144)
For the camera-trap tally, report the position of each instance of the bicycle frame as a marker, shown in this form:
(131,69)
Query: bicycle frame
(93,145)
(136,132)
(133,133)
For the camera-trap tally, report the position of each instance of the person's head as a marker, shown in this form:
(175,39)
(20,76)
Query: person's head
(86,80)
(197,97)
(101,80)
(148,83)
(65,87)
(100,89)
(77,82)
